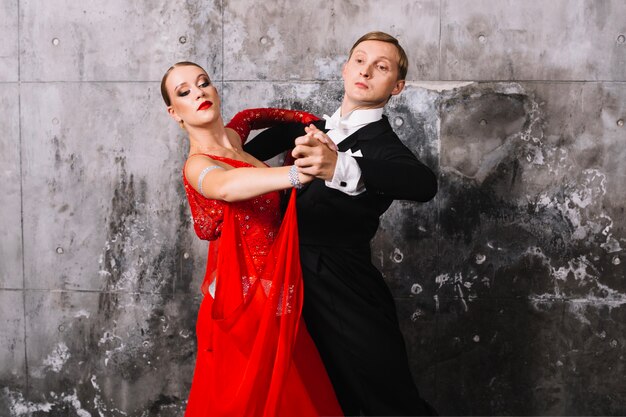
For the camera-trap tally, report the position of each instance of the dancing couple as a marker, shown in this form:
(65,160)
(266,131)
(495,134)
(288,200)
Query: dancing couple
(295,319)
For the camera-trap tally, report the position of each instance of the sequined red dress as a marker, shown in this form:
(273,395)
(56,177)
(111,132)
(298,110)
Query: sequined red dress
(255,357)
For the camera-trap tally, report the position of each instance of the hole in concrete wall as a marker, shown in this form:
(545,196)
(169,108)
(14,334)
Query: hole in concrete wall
(482,38)
(483,122)
(182,39)
(416,289)
(620,122)
(56,41)
(60,250)
(263,40)
(621,39)
(397,256)
(398,121)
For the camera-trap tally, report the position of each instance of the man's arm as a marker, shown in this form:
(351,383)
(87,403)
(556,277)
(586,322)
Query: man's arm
(274,140)
(399,178)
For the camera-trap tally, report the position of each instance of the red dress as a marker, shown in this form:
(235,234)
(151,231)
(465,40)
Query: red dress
(255,357)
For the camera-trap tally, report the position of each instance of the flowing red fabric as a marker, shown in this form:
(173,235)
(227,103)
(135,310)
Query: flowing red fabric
(255,356)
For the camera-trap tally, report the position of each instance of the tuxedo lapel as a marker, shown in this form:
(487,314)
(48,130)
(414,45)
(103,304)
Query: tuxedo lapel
(368,132)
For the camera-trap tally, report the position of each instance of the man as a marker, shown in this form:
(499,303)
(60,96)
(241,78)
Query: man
(348,308)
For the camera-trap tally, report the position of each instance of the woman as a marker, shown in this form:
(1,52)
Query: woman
(255,357)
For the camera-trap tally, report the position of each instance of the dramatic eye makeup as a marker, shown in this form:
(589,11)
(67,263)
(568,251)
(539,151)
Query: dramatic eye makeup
(204,82)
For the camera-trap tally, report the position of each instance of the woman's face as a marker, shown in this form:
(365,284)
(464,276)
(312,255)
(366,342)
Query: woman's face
(194,100)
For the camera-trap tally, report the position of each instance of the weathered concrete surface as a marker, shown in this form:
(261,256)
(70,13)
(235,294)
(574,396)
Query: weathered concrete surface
(10,183)
(111,268)
(12,348)
(509,284)
(527,258)
(316,97)
(9,36)
(114,353)
(312,42)
(533,40)
(94,221)
(116,40)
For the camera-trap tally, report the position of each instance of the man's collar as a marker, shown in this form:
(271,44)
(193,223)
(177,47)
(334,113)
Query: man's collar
(355,118)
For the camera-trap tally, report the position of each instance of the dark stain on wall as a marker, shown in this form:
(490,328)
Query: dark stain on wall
(514,263)
(134,355)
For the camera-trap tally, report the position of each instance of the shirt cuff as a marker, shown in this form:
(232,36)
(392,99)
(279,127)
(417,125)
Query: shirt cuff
(347,177)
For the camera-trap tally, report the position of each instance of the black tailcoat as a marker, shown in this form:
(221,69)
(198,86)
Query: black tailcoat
(348,308)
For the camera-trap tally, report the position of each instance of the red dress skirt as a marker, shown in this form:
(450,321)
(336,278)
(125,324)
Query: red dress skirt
(255,357)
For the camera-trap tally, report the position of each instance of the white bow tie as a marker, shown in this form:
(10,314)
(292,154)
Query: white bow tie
(335,123)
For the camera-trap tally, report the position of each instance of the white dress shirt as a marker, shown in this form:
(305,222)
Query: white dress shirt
(347,176)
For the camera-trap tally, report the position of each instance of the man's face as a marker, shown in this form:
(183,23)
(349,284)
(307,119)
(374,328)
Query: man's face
(370,76)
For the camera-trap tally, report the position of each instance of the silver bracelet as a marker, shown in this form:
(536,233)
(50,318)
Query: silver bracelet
(294,179)
(203,173)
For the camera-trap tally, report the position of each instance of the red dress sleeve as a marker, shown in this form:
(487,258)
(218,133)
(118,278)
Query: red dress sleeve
(252,119)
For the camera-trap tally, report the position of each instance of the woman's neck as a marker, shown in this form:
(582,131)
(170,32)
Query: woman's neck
(212,140)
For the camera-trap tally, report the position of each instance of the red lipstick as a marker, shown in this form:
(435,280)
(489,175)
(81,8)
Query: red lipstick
(205,105)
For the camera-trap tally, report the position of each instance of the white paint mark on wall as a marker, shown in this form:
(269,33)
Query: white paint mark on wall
(82,313)
(417,314)
(442,279)
(588,292)
(109,338)
(20,407)
(578,267)
(611,245)
(73,400)
(57,358)
(462,297)
(97,400)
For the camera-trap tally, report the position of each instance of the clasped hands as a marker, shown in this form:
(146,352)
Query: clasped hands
(316,154)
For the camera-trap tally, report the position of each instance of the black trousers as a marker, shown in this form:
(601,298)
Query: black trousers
(350,314)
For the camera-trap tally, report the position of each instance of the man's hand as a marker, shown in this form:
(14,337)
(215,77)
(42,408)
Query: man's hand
(316,154)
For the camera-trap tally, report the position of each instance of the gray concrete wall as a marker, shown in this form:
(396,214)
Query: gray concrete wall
(510,285)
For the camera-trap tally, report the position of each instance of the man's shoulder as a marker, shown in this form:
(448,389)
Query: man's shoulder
(382,131)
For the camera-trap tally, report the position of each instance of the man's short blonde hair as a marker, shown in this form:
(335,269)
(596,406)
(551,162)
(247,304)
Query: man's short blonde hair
(403,62)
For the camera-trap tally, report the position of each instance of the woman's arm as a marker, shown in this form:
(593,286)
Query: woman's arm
(228,184)
(253,119)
